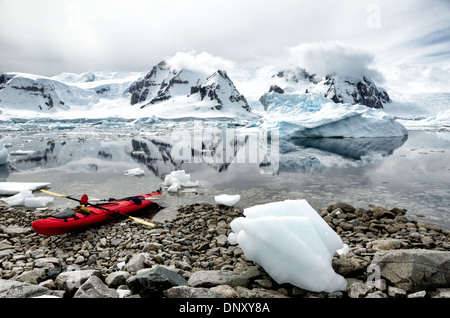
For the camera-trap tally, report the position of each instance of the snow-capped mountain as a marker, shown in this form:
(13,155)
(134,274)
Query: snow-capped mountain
(28,95)
(27,91)
(338,88)
(163,83)
(179,94)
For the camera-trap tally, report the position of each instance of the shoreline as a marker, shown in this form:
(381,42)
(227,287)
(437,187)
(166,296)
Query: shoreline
(194,246)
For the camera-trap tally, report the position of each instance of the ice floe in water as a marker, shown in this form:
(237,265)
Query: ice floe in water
(227,199)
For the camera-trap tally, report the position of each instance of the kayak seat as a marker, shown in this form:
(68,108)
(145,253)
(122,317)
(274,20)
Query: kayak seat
(68,214)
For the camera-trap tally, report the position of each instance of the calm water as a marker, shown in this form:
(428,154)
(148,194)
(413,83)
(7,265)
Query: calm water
(411,173)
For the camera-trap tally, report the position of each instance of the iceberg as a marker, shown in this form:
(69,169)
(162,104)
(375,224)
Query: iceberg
(177,179)
(137,172)
(226,199)
(311,115)
(11,188)
(26,198)
(292,243)
(4,156)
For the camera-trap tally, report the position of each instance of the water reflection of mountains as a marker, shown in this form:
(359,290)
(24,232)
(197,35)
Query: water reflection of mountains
(303,154)
(316,154)
(157,154)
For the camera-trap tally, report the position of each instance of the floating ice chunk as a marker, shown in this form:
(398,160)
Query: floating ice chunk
(292,243)
(22,152)
(26,198)
(4,156)
(174,187)
(226,199)
(11,188)
(137,172)
(177,179)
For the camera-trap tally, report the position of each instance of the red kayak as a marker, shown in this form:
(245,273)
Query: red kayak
(78,219)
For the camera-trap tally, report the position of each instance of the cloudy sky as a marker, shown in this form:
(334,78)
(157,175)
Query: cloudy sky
(392,41)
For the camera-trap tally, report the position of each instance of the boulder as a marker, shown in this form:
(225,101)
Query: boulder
(358,290)
(136,263)
(414,270)
(95,288)
(152,282)
(117,278)
(15,289)
(32,276)
(72,280)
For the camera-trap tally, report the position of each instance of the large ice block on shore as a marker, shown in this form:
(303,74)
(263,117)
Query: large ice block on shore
(292,243)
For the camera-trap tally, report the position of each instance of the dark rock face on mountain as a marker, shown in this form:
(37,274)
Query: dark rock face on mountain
(163,83)
(363,92)
(15,88)
(218,85)
(140,90)
(340,89)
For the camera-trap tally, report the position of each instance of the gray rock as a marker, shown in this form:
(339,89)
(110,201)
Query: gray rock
(152,282)
(414,270)
(347,208)
(419,294)
(47,262)
(348,267)
(33,276)
(70,281)
(226,291)
(217,277)
(396,292)
(222,240)
(358,290)
(15,289)
(117,278)
(95,288)
(153,247)
(136,263)
(441,293)
(191,292)
(14,230)
(386,244)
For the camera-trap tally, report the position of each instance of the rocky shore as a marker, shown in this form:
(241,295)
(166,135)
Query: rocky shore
(190,256)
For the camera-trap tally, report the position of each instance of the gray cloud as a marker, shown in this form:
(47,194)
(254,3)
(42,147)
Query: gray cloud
(51,36)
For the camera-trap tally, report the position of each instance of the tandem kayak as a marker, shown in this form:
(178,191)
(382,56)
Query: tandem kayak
(79,219)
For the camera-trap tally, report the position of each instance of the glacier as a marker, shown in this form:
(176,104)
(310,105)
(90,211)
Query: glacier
(301,115)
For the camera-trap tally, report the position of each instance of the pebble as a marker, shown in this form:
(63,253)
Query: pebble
(98,262)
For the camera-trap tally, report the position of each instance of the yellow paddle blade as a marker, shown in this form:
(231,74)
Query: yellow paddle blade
(141,221)
(53,193)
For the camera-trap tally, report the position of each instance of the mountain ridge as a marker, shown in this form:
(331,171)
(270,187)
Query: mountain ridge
(138,92)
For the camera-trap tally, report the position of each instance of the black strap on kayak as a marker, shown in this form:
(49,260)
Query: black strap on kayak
(136,200)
